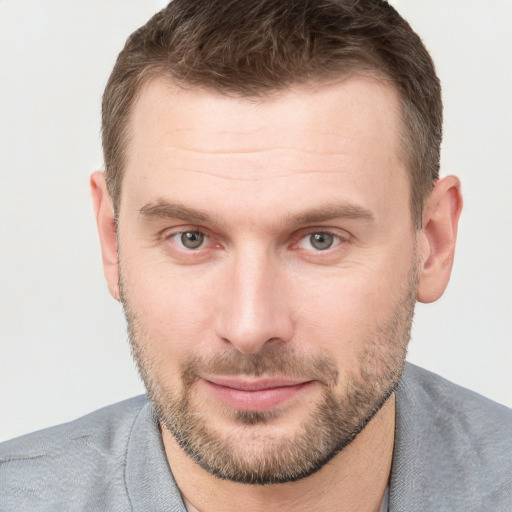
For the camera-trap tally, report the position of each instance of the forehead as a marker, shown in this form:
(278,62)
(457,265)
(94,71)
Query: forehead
(326,112)
(341,137)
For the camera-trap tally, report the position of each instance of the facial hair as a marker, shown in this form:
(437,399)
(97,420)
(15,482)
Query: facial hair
(349,400)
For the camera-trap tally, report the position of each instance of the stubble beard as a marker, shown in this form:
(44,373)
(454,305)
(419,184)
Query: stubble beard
(247,454)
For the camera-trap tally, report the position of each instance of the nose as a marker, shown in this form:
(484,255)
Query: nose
(254,311)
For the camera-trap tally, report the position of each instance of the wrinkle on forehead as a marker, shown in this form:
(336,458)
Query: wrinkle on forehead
(268,143)
(248,150)
(270,163)
(193,118)
(252,131)
(347,135)
(277,174)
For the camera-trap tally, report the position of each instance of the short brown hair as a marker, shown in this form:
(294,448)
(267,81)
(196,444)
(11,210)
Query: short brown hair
(251,48)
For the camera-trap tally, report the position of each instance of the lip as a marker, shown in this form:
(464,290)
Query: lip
(260,394)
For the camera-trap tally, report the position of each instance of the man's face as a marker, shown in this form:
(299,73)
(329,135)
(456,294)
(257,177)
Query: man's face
(268,269)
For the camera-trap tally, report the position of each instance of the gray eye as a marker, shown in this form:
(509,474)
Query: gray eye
(321,241)
(192,239)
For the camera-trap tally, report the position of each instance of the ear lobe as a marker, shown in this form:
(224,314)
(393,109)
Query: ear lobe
(104,213)
(437,238)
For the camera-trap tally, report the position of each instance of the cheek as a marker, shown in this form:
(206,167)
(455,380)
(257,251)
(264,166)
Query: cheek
(342,312)
(173,306)
(335,319)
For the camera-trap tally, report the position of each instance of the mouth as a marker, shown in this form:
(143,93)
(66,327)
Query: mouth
(261,394)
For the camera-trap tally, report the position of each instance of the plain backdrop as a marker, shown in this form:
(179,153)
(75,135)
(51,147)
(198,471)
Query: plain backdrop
(63,349)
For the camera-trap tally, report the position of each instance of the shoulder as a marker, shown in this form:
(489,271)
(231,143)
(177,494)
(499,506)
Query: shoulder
(456,406)
(83,456)
(453,447)
(105,426)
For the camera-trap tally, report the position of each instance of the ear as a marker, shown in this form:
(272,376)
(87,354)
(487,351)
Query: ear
(437,238)
(104,212)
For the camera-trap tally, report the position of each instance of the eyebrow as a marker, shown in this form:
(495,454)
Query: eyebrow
(163,209)
(332,212)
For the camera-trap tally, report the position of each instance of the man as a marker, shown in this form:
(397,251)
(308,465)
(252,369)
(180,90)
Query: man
(270,212)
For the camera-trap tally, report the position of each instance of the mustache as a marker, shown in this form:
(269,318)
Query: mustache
(275,362)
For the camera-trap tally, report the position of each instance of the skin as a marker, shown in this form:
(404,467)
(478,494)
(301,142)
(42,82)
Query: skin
(257,171)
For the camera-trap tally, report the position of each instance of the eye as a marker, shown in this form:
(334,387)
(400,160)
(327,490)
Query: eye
(190,239)
(319,241)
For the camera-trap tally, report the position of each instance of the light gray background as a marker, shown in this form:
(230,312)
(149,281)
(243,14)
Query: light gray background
(62,338)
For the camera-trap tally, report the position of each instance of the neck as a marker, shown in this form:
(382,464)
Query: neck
(355,479)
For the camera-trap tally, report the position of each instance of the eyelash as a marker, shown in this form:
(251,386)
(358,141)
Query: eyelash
(338,239)
(176,234)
